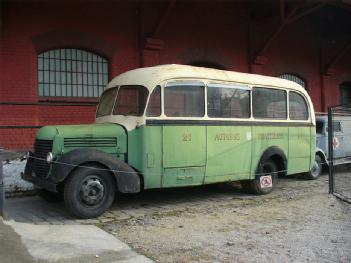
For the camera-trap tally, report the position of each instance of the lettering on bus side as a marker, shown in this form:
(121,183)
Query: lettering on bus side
(270,136)
(227,137)
(186,137)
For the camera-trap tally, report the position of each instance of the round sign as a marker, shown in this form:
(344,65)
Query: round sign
(335,143)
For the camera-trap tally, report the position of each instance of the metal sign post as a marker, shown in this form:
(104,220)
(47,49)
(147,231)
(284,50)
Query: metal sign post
(2,191)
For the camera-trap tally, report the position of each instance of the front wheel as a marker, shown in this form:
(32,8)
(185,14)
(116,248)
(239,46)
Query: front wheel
(89,192)
(316,170)
(265,180)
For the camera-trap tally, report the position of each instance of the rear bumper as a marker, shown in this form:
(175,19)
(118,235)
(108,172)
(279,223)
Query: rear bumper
(30,176)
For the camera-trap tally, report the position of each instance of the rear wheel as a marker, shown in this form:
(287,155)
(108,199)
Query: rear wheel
(265,181)
(316,170)
(89,192)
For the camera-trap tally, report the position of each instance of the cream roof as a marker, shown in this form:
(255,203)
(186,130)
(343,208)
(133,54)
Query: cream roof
(152,76)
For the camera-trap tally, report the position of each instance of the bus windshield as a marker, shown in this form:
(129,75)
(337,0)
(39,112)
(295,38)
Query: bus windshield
(131,100)
(106,102)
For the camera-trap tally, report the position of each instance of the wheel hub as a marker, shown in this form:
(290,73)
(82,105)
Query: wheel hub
(92,191)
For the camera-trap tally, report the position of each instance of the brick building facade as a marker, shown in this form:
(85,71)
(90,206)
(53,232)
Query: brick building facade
(305,41)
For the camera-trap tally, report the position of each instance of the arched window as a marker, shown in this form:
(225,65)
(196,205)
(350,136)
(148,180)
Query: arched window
(70,72)
(294,78)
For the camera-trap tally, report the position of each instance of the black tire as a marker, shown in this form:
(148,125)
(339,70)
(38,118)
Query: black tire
(267,171)
(50,197)
(316,170)
(89,192)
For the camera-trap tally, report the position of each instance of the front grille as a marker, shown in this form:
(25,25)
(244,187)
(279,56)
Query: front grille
(41,148)
(90,142)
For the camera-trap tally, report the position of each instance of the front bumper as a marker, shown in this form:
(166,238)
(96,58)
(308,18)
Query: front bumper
(30,176)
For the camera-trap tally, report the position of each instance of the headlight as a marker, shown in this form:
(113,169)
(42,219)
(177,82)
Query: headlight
(49,157)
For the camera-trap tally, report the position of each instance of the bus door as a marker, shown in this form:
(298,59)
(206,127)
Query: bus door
(299,135)
(228,140)
(184,138)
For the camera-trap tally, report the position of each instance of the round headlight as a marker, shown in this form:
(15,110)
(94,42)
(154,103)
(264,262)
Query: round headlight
(49,157)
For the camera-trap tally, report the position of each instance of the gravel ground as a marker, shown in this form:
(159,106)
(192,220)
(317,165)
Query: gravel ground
(298,222)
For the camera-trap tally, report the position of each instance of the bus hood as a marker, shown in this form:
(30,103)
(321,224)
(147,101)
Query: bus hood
(102,135)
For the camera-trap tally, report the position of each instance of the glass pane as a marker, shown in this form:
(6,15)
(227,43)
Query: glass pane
(58,77)
(79,66)
(58,90)
(154,106)
(46,64)
(52,77)
(40,63)
(52,90)
(69,90)
(63,90)
(41,77)
(269,103)
(297,107)
(41,89)
(104,66)
(131,100)
(228,102)
(63,77)
(90,79)
(90,91)
(69,53)
(184,101)
(106,102)
(69,78)
(46,76)
(63,54)
(85,66)
(84,55)
(57,53)
(52,64)
(79,54)
(46,88)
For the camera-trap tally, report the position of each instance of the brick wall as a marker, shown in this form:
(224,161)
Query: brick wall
(194,33)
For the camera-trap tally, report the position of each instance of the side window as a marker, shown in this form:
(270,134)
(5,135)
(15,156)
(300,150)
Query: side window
(184,100)
(298,109)
(228,101)
(154,106)
(336,126)
(269,103)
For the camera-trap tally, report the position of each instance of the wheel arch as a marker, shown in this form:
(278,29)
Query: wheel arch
(278,156)
(322,155)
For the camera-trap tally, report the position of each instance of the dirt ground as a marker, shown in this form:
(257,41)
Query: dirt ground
(298,222)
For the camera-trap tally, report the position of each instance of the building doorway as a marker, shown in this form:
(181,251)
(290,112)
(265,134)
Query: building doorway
(345,93)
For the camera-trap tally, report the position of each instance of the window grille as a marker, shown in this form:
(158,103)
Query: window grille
(294,78)
(71,73)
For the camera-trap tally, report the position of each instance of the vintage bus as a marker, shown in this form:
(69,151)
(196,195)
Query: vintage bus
(176,126)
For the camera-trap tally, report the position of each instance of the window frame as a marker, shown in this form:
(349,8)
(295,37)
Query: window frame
(227,85)
(84,88)
(307,105)
(267,118)
(182,82)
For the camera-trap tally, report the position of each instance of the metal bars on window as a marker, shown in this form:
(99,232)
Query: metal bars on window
(294,78)
(71,73)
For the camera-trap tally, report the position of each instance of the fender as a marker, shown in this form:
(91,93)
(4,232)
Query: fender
(320,152)
(127,179)
(269,153)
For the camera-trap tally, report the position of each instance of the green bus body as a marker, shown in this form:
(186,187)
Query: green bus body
(161,151)
(181,155)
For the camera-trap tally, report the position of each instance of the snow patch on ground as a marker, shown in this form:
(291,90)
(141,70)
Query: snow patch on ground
(12,176)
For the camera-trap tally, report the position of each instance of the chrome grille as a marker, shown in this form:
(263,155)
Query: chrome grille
(41,148)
